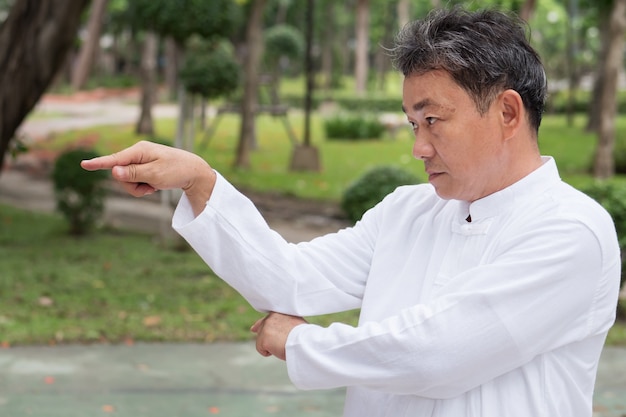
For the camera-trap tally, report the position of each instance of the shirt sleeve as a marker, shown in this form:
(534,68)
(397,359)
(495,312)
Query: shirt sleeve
(547,287)
(323,276)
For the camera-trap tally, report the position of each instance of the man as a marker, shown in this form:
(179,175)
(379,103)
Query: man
(487,292)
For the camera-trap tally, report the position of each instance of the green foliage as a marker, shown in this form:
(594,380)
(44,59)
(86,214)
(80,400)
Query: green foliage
(79,194)
(210,70)
(619,156)
(181,19)
(283,41)
(372,187)
(612,196)
(353,127)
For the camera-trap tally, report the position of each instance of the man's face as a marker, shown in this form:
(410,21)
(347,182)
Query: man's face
(460,148)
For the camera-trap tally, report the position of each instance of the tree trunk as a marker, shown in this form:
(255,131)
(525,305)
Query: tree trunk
(328,32)
(172,58)
(87,52)
(252,60)
(145,125)
(604,165)
(404,16)
(362,46)
(306,157)
(34,41)
(594,113)
(528,9)
(381,58)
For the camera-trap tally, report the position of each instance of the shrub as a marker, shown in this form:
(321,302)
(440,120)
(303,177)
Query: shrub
(210,70)
(619,156)
(283,41)
(372,187)
(353,128)
(79,194)
(612,197)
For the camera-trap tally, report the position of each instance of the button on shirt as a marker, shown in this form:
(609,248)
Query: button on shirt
(505,315)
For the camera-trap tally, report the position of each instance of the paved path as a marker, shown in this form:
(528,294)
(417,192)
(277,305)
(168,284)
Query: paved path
(229,380)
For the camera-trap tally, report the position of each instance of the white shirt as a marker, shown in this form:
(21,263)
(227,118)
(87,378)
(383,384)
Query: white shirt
(503,316)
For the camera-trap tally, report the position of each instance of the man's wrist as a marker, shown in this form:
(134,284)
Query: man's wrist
(200,188)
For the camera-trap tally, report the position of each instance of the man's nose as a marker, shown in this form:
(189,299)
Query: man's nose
(422,147)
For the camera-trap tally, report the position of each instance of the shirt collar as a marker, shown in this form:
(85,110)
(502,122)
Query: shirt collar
(536,182)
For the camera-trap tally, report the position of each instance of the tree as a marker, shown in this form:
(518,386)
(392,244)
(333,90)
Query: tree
(145,124)
(90,46)
(179,21)
(34,41)
(362,46)
(252,59)
(604,165)
(528,8)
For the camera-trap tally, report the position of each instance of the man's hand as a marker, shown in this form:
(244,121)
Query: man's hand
(272,332)
(147,167)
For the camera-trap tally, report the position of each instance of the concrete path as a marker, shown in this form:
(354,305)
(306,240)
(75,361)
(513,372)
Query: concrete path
(172,380)
(155,380)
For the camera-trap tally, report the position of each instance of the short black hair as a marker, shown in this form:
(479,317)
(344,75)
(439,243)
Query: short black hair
(485,52)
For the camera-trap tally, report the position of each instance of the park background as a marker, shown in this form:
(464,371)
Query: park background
(294,101)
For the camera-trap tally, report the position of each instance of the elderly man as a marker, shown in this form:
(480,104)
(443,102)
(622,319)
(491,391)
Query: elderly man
(486,293)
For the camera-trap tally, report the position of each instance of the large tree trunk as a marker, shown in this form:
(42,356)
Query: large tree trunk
(362,46)
(91,45)
(145,125)
(34,41)
(604,165)
(252,60)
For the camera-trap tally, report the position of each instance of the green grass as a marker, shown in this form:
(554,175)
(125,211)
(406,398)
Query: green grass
(112,286)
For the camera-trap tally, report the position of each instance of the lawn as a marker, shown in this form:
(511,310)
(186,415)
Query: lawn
(117,286)
(113,286)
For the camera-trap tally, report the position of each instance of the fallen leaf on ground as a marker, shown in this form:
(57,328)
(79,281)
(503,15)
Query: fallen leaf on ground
(151,321)
(45,301)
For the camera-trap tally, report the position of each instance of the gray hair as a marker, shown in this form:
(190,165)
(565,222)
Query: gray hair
(485,52)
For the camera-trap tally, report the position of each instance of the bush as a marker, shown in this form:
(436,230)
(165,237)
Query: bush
(612,197)
(210,70)
(353,128)
(79,194)
(372,187)
(619,156)
(283,41)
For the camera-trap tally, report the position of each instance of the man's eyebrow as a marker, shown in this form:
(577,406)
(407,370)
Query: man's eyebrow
(421,104)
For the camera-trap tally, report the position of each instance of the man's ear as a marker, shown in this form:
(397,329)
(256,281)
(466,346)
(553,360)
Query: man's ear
(513,112)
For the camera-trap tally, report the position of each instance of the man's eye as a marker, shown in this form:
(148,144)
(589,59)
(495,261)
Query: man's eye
(413,125)
(431,120)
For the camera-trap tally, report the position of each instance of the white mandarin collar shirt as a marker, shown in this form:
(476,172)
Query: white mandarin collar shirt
(503,316)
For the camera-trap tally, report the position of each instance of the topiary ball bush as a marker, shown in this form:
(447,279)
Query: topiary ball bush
(372,187)
(79,194)
(210,71)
